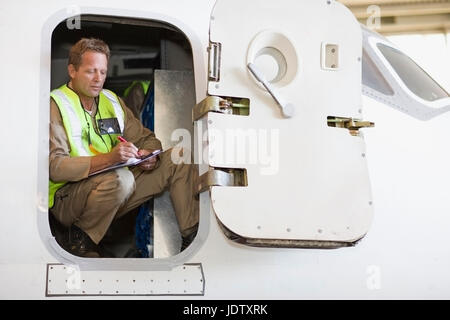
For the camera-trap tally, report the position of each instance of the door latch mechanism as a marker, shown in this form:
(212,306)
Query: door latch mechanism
(287,108)
(353,125)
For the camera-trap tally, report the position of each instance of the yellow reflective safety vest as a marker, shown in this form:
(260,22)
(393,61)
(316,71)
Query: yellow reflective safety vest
(80,129)
(144,83)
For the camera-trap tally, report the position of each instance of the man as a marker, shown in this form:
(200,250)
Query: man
(85,123)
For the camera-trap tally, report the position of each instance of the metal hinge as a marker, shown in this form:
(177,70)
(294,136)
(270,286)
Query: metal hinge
(353,125)
(214,50)
(221,105)
(222,177)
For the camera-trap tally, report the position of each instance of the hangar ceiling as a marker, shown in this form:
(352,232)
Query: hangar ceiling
(403,16)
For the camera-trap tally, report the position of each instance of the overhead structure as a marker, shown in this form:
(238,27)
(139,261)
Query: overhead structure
(390,17)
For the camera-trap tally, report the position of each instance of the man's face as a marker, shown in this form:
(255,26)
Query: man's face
(88,80)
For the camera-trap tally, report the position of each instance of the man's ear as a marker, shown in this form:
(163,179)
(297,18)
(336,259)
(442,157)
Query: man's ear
(71,70)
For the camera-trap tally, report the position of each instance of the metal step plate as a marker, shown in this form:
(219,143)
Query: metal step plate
(184,280)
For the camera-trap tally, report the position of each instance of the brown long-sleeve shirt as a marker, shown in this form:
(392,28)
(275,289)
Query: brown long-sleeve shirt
(66,168)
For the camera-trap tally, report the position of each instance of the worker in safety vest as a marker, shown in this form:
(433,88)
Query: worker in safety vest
(134,96)
(86,122)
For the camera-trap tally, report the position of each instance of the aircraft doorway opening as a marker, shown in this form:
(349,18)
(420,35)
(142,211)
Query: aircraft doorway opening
(151,70)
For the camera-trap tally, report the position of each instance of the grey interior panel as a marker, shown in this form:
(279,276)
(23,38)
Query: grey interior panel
(174,99)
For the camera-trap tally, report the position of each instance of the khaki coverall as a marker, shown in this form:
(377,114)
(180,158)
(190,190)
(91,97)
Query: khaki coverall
(93,203)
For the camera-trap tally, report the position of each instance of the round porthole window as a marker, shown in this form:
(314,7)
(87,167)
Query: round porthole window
(271,63)
(274,56)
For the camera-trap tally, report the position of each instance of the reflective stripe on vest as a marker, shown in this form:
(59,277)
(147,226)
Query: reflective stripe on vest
(117,107)
(75,132)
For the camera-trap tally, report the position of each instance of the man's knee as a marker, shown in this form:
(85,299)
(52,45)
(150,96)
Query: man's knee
(126,182)
(118,184)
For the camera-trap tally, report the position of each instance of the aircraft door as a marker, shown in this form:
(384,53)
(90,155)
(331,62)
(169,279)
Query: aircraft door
(281,128)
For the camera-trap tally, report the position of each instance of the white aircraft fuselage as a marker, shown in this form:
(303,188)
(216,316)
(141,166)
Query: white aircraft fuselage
(388,204)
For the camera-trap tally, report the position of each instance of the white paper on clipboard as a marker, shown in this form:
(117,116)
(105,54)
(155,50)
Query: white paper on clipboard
(130,163)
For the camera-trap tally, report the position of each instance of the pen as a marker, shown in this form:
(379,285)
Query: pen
(122,139)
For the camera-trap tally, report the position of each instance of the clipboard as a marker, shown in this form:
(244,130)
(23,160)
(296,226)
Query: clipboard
(130,163)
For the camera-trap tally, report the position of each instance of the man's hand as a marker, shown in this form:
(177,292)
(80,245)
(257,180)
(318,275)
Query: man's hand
(124,151)
(119,154)
(150,163)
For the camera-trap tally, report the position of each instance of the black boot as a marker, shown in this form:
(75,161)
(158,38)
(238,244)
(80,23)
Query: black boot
(187,240)
(80,244)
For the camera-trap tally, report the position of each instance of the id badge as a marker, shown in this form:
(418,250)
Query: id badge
(109,126)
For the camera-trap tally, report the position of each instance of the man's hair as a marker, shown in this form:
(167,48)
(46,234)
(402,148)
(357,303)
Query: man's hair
(84,45)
